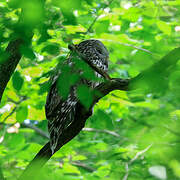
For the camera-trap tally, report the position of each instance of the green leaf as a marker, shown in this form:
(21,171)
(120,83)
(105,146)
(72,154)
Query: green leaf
(154,79)
(14,4)
(174,83)
(52,49)
(27,52)
(103,171)
(21,113)
(85,95)
(89,1)
(164,27)
(102,27)
(68,168)
(14,140)
(69,18)
(3,56)
(66,80)
(33,13)
(44,87)
(17,81)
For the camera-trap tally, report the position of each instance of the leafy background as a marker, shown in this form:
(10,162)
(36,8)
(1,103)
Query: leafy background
(132,135)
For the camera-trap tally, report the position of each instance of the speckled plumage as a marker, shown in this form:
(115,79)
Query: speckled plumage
(60,112)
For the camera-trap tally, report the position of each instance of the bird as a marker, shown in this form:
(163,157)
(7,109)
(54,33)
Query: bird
(60,110)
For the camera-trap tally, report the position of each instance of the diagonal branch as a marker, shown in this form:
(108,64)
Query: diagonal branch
(73,129)
(100,91)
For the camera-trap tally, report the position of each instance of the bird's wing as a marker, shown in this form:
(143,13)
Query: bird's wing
(52,101)
(59,112)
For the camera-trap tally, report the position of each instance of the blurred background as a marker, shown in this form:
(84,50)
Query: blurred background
(132,135)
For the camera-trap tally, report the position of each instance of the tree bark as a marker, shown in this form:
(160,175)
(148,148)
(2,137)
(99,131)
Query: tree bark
(8,65)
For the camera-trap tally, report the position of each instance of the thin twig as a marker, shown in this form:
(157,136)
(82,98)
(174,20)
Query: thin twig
(11,100)
(10,114)
(134,159)
(84,166)
(129,45)
(127,171)
(44,134)
(101,131)
(30,126)
(135,47)
(36,129)
(23,98)
(139,154)
(172,131)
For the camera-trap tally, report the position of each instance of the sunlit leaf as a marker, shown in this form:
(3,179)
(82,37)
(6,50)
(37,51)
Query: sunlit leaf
(70,169)
(15,140)
(21,113)
(102,26)
(84,95)
(164,27)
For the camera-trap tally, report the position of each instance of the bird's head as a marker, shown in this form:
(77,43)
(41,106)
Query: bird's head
(95,51)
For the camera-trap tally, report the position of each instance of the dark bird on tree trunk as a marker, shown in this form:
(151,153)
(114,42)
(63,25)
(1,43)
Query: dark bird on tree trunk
(61,104)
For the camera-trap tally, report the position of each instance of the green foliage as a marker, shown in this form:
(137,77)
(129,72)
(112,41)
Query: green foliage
(17,81)
(21,113)
(66,80)
(84,95)
(52,49)
(134,134)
